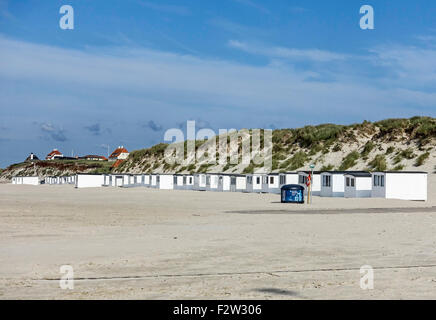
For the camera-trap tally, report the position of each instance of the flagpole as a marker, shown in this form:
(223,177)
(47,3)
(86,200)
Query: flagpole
(311,178)
(308,189)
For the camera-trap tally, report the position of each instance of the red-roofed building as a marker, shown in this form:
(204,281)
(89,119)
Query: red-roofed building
(93,157)
(54,154)
(120,153)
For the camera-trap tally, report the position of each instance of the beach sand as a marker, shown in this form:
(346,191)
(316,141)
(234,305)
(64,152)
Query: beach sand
(139,243)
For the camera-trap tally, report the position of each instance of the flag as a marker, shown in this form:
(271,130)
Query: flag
(308,181)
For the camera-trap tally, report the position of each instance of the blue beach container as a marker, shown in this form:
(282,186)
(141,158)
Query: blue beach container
(292,193)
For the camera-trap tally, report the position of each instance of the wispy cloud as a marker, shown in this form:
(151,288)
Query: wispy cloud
(414,65)
(153,126)
(287,53)
(255,5)
(237,28)
(296,9)
(166,8)
(120,87)
(4,10)
(199,124)
(54,132)
(94,129)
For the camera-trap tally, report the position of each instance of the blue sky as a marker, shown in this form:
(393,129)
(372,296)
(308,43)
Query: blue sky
(131,69)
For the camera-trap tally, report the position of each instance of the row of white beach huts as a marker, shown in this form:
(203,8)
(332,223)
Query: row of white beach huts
(406,185)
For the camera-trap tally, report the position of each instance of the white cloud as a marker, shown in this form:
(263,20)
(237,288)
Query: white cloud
(166,8)
(413,66)
(287,53)
(99,85)
(237,28)
(122,86)
(254,5)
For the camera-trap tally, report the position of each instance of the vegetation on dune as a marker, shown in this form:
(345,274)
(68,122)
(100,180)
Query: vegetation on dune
(421,128)
(369,146)
(379,163)
(292,149)
(249,169)
(421,159)
(337,147)
(204,167)
(328,167)
(349,161)
(309,136)
(390,150)
(398,167)
(56,167)
(296,161)
(191,168)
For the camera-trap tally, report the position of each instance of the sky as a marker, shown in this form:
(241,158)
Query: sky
(131,69)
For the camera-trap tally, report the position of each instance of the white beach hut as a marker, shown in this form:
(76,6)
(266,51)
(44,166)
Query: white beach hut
(199,182)
(165,181)
(332,184)
(286,178)
(117,180)
(224,182)
(188,181)
(34,181)
(254,182)
(238,183)
(404,185)
(89,180)
(357,185)
(146,180)
(107,180)
(137,180)
(178,182)
(273,183)
(315,181)
(153,180)
(183,182)
(212,182)
(72,179)
(126,180)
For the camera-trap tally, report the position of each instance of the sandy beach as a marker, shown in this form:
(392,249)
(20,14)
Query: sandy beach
(139,243)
